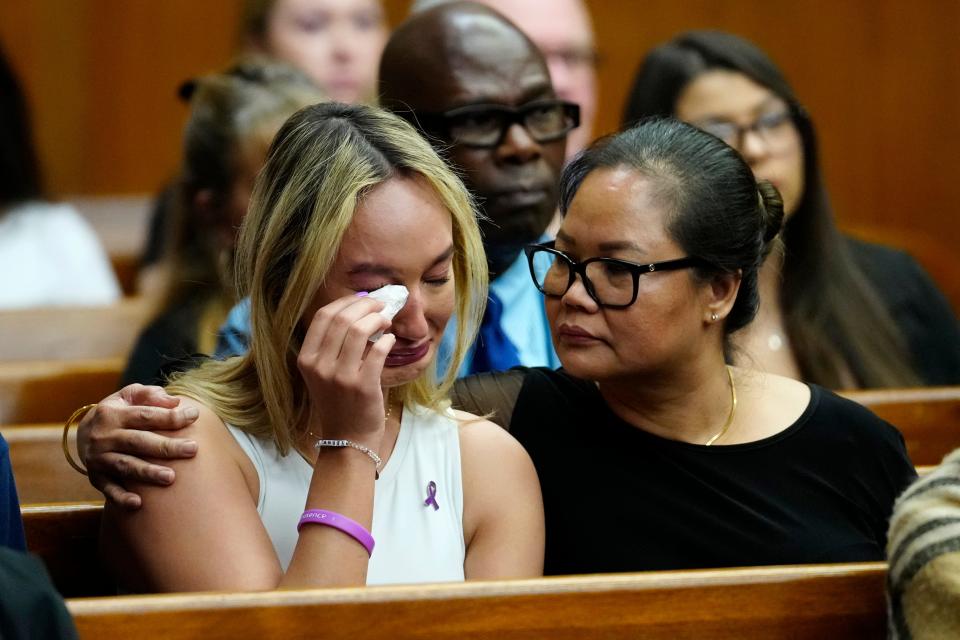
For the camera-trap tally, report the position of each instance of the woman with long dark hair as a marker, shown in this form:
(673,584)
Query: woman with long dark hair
(337,44)
(838,312)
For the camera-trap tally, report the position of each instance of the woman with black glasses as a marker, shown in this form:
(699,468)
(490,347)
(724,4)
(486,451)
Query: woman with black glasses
(837,311)
(653,452)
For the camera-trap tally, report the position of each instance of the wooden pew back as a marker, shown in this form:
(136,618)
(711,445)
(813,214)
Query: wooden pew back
(72,333)
(121,224)
(65,537)
(39,468)
(127,270)
(50,390)
(928,417)
(825,601)
(815,601)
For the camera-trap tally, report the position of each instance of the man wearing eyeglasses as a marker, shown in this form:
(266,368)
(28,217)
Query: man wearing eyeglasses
(564,35)
(480,90)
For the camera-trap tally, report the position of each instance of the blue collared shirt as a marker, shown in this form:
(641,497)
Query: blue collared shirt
(234,336)
(524,320)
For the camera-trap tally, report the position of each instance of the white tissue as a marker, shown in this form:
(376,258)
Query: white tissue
(393,296)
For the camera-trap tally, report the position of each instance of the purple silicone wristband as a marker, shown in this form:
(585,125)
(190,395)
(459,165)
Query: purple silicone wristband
(338,521)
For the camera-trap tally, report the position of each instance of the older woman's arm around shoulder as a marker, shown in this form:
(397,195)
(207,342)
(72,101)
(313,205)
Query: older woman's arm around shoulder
(201,533)
(503,507)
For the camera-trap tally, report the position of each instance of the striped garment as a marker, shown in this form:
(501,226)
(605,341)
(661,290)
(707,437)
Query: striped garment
(924,553)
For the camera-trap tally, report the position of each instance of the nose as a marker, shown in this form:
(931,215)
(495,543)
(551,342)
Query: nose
(518,146)
(343,42)
(578,297)
(752,147)
(411,322)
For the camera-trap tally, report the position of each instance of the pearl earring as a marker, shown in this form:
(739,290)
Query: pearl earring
(714,317)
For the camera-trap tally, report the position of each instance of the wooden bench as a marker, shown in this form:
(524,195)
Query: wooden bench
(825,601)
(50,390)
(797,602)
(928,417)
(39,468)
(65,537)
(72,333)
(121,224)
(127,270)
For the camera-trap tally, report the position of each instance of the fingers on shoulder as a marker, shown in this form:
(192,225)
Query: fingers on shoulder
(205,422)
(144,416)
(190,420)
(137,394)
(215,448)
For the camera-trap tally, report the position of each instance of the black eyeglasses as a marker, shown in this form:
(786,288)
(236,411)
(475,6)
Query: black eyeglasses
(611,282)
(485,125)
(769,127)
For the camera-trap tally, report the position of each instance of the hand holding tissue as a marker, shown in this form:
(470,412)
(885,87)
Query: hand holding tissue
(393,296)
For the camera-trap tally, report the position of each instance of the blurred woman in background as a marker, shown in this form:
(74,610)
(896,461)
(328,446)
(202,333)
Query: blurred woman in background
(233,117)
(839,312)
(337,43)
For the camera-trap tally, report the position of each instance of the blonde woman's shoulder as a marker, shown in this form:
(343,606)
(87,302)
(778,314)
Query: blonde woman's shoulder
(488,450)
(480,433)
(503,507)
(217,446)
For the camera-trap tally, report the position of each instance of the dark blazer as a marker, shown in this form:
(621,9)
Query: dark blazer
(919,309)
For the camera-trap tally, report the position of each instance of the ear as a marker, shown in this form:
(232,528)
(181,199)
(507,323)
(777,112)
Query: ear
(719,295)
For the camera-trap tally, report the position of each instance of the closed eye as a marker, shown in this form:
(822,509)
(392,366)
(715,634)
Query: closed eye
(438,281)
(374,287)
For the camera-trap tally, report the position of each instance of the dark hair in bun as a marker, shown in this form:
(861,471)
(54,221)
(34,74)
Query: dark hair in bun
(718,211)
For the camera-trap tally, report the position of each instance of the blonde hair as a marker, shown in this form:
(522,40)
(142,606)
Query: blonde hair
(324,159)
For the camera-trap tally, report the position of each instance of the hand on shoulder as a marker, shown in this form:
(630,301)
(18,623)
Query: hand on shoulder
(203,532)
(215,444)
(126,427)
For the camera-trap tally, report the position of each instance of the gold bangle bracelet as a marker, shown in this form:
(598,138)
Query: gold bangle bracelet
(75,417)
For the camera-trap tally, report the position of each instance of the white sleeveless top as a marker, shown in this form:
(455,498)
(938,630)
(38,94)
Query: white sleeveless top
(414,541)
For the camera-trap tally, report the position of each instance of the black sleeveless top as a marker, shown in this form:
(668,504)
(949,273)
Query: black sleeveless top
(620,499)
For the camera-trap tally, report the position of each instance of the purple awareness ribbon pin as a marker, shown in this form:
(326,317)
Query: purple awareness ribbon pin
(432,496)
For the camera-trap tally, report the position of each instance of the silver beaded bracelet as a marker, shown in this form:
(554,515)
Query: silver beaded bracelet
(353,445)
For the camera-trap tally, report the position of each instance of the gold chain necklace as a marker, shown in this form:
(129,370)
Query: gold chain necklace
(733,410)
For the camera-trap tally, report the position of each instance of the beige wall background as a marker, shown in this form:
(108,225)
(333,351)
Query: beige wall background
(881,78)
